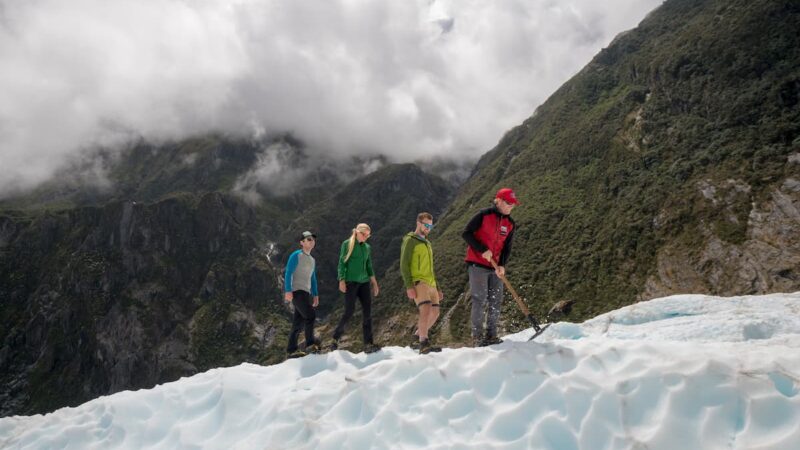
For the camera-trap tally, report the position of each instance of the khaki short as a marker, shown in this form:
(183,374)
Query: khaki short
(426,294)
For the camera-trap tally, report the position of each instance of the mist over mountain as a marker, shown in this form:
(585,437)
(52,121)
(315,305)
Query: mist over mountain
(408,80)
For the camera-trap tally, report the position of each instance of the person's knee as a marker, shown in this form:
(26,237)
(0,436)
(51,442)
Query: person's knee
(477,296)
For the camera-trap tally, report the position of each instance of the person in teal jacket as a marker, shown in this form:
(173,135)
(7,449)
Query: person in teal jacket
(357,280)
(300,289)
(419,279)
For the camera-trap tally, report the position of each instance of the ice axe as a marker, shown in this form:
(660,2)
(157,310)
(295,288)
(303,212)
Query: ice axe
(522,306)
(564,307)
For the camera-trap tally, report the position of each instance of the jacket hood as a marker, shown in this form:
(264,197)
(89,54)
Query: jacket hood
(415,236)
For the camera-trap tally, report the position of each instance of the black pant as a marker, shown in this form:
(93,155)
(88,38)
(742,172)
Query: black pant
(304,316)
(362,291)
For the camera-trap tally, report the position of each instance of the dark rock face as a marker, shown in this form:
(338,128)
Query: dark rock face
(767,260)
(100,299)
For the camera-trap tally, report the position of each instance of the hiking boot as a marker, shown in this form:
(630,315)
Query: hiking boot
(313,348)
(415,340)
(477,342)
(296,354)
(371,348)
(491,340)
(426,347)
(334,345)
(304,345)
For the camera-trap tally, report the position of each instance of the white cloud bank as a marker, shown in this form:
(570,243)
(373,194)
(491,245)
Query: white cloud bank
(409,79)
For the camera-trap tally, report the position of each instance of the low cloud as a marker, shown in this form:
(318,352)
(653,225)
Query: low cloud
(276,170)
(408,79)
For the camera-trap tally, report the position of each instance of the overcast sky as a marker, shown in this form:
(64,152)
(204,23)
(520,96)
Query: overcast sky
(405,78)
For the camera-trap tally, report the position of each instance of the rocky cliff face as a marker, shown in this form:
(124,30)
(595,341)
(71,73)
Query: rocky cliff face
(767,259)
(101,299)
(98,299)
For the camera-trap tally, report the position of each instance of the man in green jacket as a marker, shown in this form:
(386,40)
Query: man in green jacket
(416,266)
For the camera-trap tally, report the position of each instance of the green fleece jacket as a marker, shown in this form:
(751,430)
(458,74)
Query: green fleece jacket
(358,267)
(416,261)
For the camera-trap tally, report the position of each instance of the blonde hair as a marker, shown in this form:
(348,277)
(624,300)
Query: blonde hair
(362,227)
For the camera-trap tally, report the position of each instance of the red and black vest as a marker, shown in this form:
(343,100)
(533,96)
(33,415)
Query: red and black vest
(488,230)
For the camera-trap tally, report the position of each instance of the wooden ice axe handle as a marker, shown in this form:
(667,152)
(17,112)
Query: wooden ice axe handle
(520,303)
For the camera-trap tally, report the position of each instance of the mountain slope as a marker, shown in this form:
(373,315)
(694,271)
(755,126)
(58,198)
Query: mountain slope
(670,163)
(127,295)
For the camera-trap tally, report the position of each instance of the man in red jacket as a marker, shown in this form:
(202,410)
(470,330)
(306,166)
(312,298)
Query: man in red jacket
(489,234)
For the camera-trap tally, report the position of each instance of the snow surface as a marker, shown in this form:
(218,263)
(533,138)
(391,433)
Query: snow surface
(683,372)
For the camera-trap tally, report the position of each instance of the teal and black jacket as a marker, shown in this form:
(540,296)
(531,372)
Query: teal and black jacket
(301,273)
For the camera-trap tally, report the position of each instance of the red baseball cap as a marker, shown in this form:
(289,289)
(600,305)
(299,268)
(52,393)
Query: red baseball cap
(507,195)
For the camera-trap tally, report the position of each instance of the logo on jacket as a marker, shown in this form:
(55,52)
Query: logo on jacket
(503,230)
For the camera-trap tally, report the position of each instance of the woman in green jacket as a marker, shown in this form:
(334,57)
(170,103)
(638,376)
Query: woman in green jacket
(356,277)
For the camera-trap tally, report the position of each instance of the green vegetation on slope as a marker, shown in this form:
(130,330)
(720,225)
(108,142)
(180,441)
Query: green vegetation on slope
(608,169)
